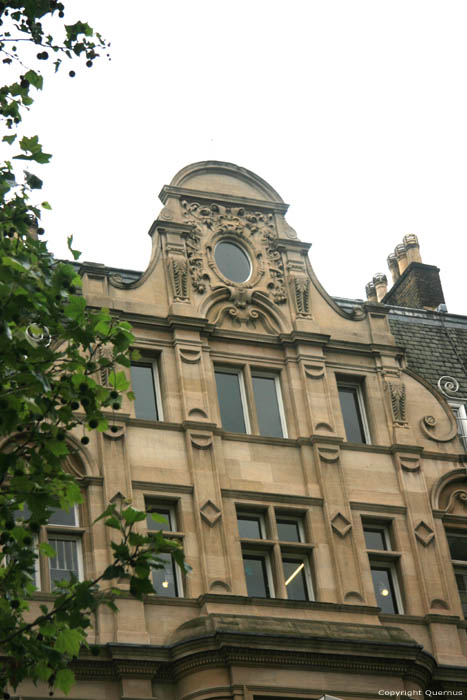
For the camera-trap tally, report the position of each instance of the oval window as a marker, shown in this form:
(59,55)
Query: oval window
(232,261)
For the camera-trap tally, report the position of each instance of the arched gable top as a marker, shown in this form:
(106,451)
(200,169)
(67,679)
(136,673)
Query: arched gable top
(225,180)
(449,493)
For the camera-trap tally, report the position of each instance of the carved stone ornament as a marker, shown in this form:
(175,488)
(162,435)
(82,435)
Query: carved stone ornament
(341,524)
(397,393)
(178,270)
(210,513)
(104,372)
(255,230)
(301,288)
(424,533)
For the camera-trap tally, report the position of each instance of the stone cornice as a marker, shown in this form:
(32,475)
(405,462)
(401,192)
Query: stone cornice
(272,497)
(233,200)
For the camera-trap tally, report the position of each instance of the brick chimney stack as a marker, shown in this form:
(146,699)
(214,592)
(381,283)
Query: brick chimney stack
(415,284)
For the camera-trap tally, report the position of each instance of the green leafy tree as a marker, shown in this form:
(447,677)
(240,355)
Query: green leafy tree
(51,348)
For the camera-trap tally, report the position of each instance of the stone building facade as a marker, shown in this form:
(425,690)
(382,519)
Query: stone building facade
(309,466)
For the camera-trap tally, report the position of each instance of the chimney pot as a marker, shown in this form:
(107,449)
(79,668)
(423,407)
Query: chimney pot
(371,292)
(400,251)
(393,267)
(380,282)
(413,248)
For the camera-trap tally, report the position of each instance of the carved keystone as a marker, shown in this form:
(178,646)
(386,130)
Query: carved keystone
(424,533)
(341,525)
(210,513)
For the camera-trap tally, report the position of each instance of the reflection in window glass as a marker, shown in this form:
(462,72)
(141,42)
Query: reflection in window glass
(256,575)
(288,530)
(461,580)
(375,539)
(249,526)
(165,580)
(232,261)
(384,589)
(142,382)
(61,517)
(354,430)
(65,563)
(458,547)
(152,524)
(267,406)
(295,579)
(230,401)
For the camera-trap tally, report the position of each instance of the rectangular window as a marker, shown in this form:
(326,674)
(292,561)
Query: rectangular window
(266,389)
(383,569)
(353,412)
(289,529)
(250,526)
(232,402)
(145,385)
(257,575)
(297,578)
(167,580)
(458,548)
(461,419)
(67,545)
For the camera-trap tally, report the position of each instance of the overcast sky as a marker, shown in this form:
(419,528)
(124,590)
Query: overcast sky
(354,111)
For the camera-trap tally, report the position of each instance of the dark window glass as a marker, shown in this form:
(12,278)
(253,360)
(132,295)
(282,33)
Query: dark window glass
(384,589)
(232,261)
(142,382)
(230,401)
(458,547)
(256,576)
(295,579)
(375,539)
(65,562)
(249,526)
(351,413)
(62,517)
(288,530)
(165,580)
(267,406)
(164,513)
(461,580)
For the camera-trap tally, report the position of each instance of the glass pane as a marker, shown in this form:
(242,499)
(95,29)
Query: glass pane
(267,406)
(458,546)
(288,530)
(232,261)
(165,513)
(230,402)
(249,526)
(256,576)
(351,414)
(384,591)
(461,579)
(295,579)
(164,580)
(142,382)
(59,516)
(375,539)
(66,560)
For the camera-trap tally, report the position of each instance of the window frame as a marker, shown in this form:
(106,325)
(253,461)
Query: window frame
(460,414)
(459,566)
(153,363)
(72,533)
(384,559)
(173,534)
(358,386)
(262,523)
(265,555)
(239,372)
(300,527)
(280,403)
(307,569)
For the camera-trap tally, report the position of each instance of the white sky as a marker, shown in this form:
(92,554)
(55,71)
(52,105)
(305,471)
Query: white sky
(354,111)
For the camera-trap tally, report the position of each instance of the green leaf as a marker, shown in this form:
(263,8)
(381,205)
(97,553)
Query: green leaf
(69,641)
(75,308)
(158,518)
(47,550)
(131,515)
(65,680)
(9,139)
(34,78)
(118,381)
(46,205)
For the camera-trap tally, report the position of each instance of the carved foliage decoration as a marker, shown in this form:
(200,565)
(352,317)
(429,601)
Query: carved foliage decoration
(397,393)
(301,285)
(178,269)
(211,222)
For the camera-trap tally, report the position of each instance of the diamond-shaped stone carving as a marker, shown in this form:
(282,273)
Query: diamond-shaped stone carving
(210,513)
(424,533)
(341,525)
